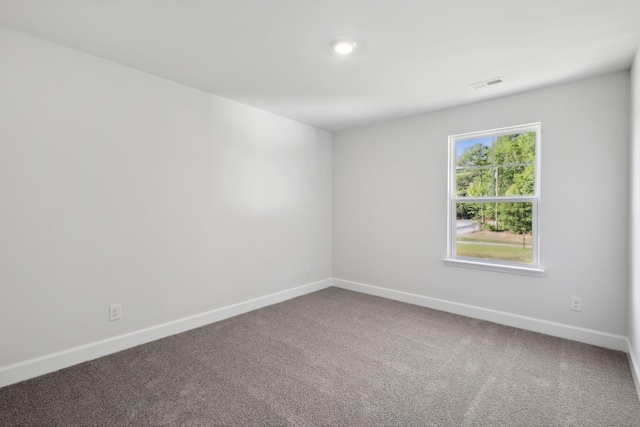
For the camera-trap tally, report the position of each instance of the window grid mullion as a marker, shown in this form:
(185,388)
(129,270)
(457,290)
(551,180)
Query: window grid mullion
(498,199)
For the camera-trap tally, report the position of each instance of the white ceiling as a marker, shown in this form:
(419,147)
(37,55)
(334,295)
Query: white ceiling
(413,56)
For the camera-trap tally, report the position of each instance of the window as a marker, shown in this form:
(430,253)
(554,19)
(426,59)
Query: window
(494,188)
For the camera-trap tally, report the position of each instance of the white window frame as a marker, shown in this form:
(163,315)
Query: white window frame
(533,269)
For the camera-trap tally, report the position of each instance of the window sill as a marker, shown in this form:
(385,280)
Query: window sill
(502,268)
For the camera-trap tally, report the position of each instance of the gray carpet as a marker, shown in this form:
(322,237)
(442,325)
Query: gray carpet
(338,358)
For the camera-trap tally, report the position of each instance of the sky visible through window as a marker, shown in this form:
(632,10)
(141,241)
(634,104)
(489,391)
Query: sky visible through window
(461,146)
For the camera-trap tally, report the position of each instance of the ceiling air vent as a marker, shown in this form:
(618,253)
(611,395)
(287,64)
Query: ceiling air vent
(486,83)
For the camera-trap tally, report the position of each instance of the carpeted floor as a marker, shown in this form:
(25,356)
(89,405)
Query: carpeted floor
(338,358)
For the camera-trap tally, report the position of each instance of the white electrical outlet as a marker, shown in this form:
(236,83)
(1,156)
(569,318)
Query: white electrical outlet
(576,304)
(115,312)
(308,269)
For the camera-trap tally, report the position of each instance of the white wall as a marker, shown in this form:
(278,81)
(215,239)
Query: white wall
(634,223)
(390,205)
(120,187)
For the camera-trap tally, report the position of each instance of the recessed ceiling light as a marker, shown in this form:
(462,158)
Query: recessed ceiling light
(486,83)
(344,47)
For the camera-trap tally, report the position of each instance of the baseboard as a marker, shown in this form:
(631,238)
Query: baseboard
(21,371)
(634,366)
(588,336)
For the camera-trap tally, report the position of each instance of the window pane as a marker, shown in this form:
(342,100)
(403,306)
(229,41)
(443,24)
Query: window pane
(495,231)
(474,182)
(515,180)
(496,166)
(473,152)
(515,149)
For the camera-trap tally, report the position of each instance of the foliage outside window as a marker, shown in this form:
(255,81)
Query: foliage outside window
(493,197)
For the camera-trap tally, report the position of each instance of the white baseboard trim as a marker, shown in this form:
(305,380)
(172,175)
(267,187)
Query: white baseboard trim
(21,371)
(588,336)
(634,366)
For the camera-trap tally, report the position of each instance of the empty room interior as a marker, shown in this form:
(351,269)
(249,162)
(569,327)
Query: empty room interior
(336,212)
